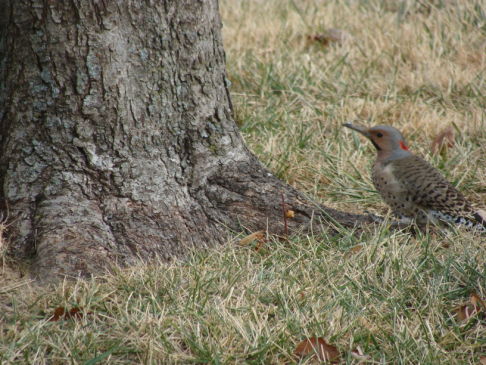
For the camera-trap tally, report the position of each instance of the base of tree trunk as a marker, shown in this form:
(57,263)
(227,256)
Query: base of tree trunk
(88,236)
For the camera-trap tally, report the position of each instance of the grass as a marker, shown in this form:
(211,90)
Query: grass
(418,68)
(395,298)
(417,72)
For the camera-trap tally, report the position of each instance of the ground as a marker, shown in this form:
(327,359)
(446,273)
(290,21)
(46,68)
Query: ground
(399,298)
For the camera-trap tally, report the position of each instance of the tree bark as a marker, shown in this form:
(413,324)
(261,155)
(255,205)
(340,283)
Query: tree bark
(117,140)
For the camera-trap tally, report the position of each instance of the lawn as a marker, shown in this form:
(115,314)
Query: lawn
(394,297)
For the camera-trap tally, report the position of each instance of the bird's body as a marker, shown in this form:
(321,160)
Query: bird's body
(414,189)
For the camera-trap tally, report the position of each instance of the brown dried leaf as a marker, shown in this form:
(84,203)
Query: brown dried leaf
(289,214)
(353,250)
(482,360)
(60,313)
(444,140)
(465,311)
(74,313)
(331,35)
(476,305)
(255,236)
(319,348)
(477,302)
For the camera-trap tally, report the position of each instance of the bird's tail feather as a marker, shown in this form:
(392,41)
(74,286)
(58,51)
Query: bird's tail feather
(480,216)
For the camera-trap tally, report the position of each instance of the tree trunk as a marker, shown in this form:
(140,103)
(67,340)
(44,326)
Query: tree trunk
(117,138)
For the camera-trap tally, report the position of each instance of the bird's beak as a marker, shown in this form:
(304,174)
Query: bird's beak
(358,128)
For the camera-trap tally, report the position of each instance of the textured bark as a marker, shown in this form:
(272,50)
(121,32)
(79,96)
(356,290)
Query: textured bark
(116,136)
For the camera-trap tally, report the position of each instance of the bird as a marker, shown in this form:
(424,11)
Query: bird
(412,187)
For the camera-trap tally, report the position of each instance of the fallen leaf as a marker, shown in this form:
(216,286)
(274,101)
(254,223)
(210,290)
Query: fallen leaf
(482,360)
(60,313)
(464,312)
(353,250)
(477,302)
(289,214)
(255,236)
(319,348)
(476,305)
(443,141)
(331,35)
(74,313)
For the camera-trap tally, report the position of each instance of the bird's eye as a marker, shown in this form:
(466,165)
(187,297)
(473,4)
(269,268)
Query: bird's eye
(379,134)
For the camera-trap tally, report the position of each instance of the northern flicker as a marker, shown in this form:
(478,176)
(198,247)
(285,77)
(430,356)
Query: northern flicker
(414,189)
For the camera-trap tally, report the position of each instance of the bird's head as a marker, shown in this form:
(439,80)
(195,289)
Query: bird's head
(387,140)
